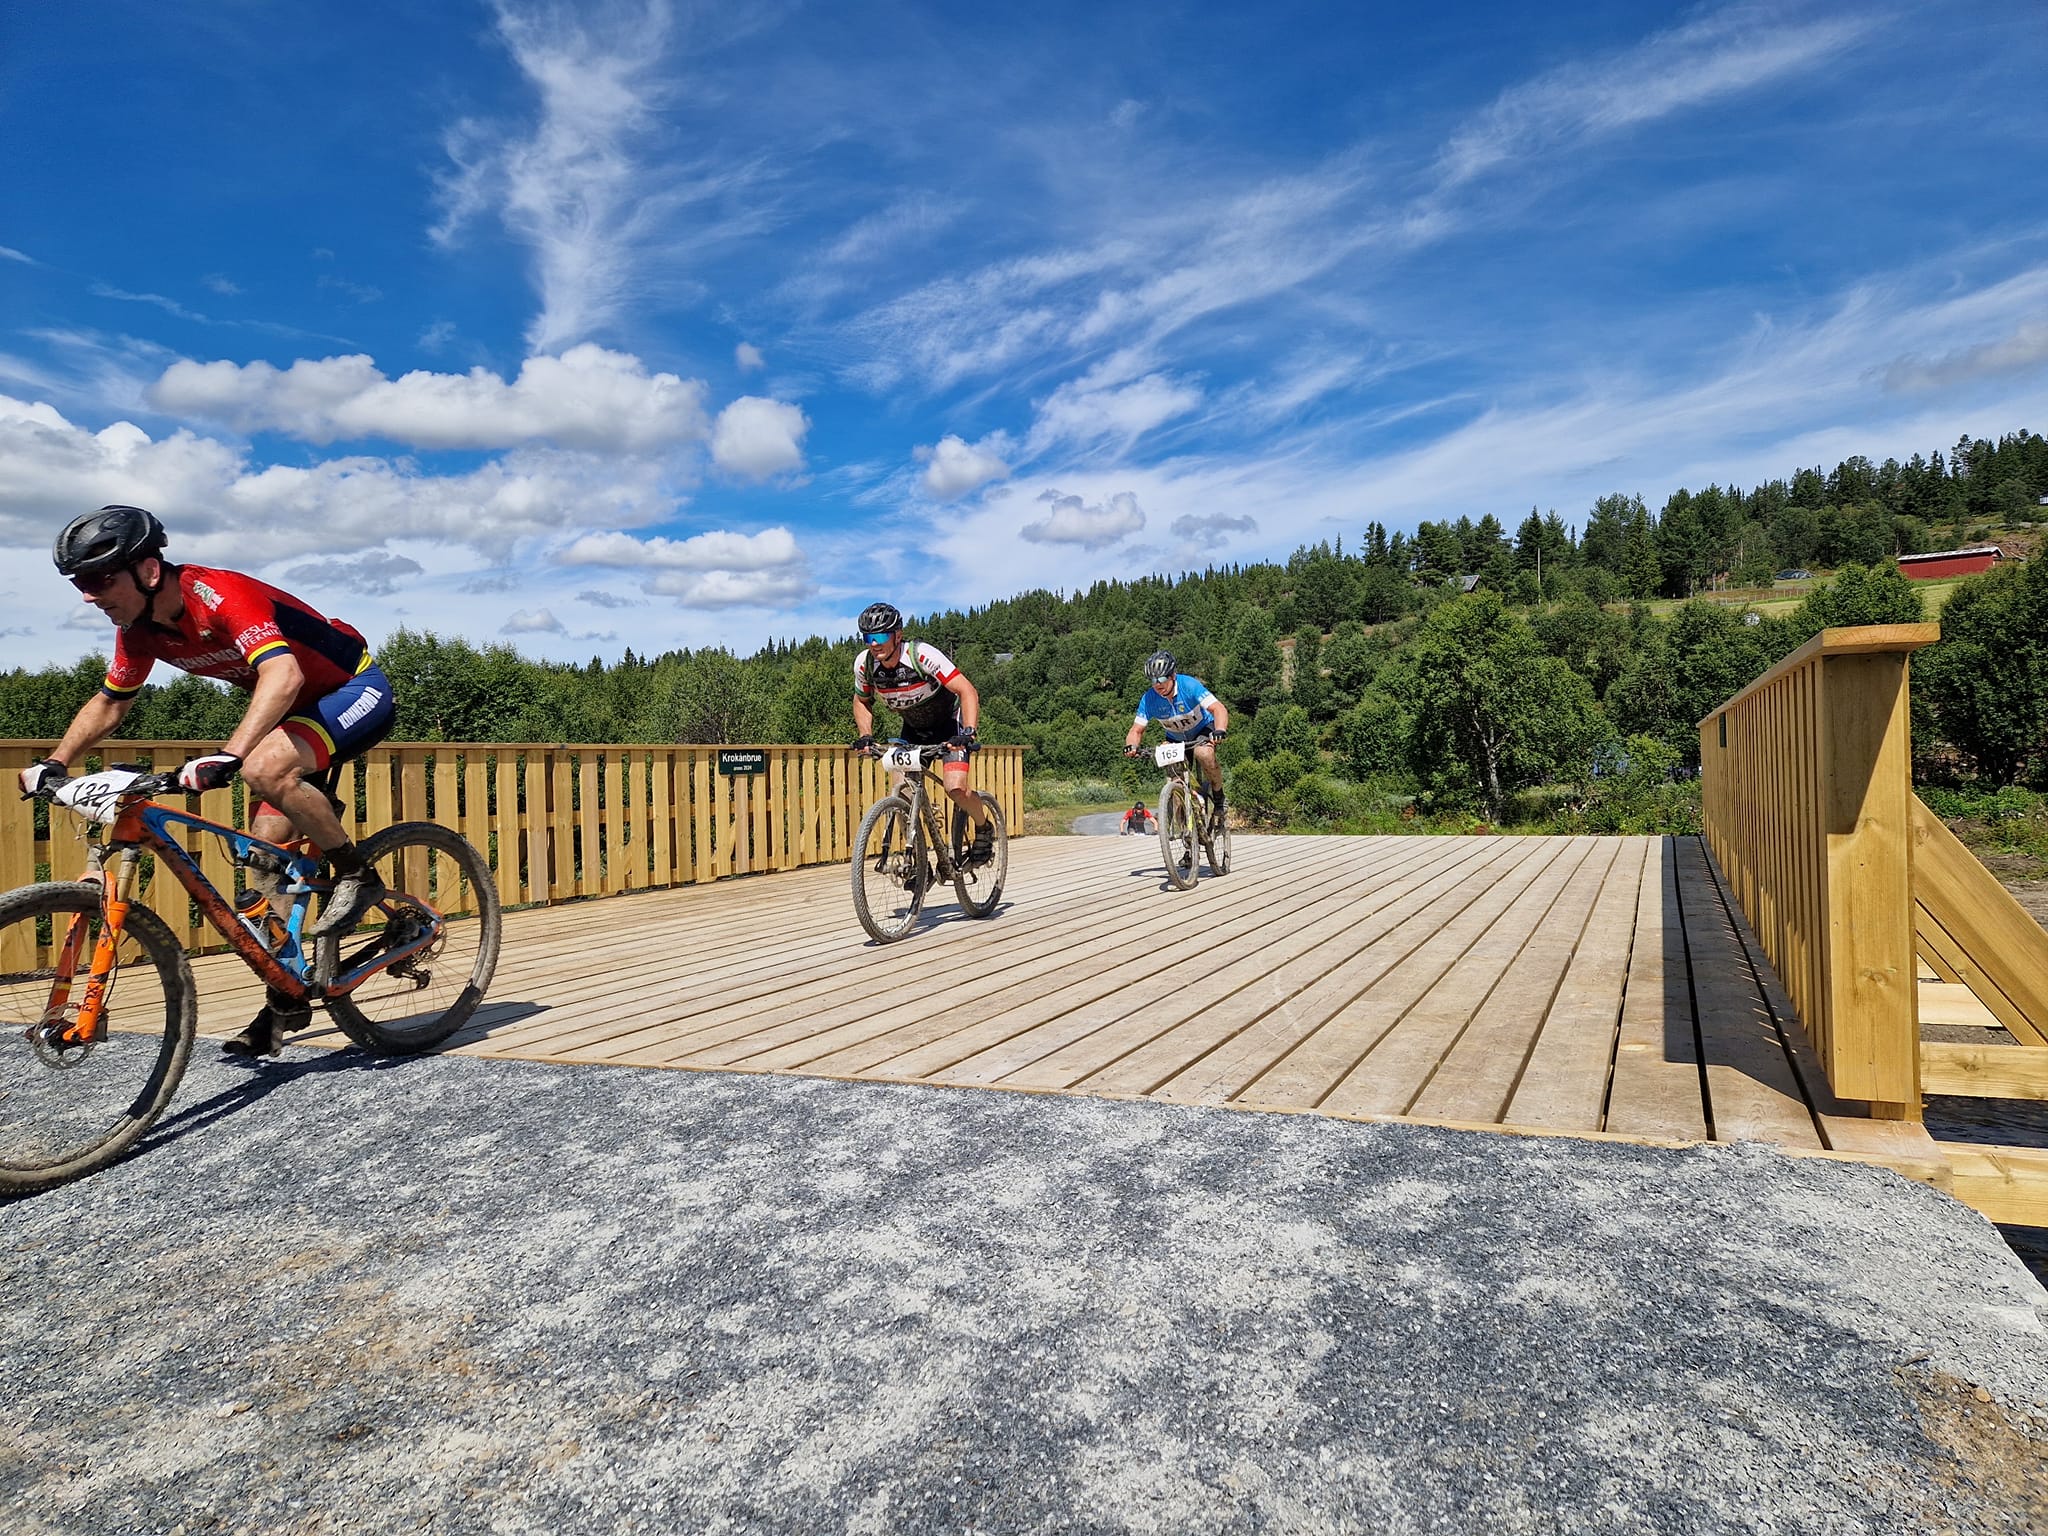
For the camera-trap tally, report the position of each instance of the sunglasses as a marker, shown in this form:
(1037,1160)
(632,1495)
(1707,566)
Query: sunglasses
(879,637)
(93,586)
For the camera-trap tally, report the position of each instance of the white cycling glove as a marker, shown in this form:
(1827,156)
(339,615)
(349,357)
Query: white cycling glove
(38,776)
(214,771)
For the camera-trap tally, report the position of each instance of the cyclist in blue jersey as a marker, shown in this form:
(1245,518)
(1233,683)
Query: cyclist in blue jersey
(1189,712)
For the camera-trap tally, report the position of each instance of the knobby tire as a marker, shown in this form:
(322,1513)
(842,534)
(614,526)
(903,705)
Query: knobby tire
(62,1123)
(888,900)
(392,1013)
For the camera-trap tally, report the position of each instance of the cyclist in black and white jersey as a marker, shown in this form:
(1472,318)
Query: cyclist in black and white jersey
(938,705)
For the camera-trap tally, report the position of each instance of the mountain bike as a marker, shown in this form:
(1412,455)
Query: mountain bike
(899,854)
(82,1080)
(1186,817)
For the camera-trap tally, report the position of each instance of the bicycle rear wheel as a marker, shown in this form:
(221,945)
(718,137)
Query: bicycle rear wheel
(1177,841)
(434,876)
(68,1112)
(980,886)
(891,870)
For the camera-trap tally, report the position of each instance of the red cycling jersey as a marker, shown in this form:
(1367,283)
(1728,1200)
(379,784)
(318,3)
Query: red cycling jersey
(231,625)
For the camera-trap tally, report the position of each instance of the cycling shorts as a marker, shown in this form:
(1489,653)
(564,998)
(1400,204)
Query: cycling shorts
(348,722)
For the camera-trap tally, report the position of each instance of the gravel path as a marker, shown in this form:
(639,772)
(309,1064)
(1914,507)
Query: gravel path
(473,1296)
(1101,824)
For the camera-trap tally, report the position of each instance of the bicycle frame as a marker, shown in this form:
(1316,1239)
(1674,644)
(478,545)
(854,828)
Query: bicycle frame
(142,826)
(923,810)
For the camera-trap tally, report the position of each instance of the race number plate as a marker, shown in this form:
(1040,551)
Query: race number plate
(1170,752)
(903,758)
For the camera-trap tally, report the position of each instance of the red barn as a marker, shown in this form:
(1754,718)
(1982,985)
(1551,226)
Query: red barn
(1950,562)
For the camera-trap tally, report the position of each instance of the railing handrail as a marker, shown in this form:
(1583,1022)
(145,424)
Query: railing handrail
(1851,640)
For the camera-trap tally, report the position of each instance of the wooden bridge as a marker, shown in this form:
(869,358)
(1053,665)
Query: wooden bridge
(1766,983)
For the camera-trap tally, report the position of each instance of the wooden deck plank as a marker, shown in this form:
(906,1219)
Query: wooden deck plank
(1564,1082)
(1399,1065)
(1656,1089)
(1477,1075)
(1083,976)
(1229,982)
(1306,1074)
(1214,1055)
(1752,1091)
(801,1010)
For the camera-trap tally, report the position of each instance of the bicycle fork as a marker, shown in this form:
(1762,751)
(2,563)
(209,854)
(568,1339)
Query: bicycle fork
(89,1028)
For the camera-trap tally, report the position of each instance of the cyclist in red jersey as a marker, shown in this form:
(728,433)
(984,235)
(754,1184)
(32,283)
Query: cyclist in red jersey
(317,699)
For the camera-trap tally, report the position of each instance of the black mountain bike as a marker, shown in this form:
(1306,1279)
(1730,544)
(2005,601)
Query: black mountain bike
(899,854)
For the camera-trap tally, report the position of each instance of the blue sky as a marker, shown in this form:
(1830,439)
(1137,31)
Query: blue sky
(593,325)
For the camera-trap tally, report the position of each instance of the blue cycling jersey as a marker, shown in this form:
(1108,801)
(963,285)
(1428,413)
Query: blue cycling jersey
(1185,714)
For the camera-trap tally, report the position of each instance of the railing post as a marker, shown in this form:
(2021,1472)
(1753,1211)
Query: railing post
(1866,777)
(1807,799)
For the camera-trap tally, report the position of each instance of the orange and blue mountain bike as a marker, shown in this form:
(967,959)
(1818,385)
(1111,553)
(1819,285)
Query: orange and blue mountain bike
(98,1009)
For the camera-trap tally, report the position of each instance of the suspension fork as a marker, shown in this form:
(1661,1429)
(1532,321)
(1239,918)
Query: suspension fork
(92,1009)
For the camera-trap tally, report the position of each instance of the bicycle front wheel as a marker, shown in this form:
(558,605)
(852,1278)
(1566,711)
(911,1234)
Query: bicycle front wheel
(890,870)
(435,879)
(980,886)
(1177,840)
(67,1111)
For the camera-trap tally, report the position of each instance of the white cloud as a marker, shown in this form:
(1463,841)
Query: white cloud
(953,468)
(1209,530)
(2025,349)
(375,573)
(1074,521)
(718,569)
(168,306)
(1719,55)
(586,398)
(9,253)
(714,551)
(219,506)
(225,286)
(532,621)
(733,589)
(748,357)
(756,439)
(1081,413)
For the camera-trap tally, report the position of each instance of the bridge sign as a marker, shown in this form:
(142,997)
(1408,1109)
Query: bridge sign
(742,760)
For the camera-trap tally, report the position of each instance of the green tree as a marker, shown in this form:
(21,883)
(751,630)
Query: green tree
(1251,664)
(1859,595)
(1488,713)
(1987,681)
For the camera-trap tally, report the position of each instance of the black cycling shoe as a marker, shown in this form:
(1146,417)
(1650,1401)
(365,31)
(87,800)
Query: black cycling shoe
(264,1034)
(984,848)
(353,895)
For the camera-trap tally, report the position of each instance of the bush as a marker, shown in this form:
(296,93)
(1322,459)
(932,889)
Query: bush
(1251,789)
(1318,798)
(1285,768)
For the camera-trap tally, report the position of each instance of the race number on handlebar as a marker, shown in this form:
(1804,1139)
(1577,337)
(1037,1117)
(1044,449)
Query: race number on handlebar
(1168,753)
(903,759)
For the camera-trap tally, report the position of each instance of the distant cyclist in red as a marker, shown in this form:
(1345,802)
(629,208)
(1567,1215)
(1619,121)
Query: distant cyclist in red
(317,699)
(1138,819)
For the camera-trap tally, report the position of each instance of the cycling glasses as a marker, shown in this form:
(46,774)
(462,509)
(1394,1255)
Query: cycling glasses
(879,636)
(96,583)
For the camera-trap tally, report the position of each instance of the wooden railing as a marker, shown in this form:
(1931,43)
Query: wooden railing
(555,822)
(1807,801)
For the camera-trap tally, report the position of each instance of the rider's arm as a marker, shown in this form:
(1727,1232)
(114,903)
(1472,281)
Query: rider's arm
(1136,733)
(970,701)
(863,717)
(1217,712)
(278,681)
(93,723)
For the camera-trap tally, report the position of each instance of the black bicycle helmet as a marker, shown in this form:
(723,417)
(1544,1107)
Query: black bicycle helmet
(1160,667)
(111,539)
(877,617)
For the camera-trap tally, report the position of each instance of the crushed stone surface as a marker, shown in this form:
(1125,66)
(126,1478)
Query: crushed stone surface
(454,1295)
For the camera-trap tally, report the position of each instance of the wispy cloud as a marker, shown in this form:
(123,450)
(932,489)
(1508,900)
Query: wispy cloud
(9,253)
(167,305)
(1718,55)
